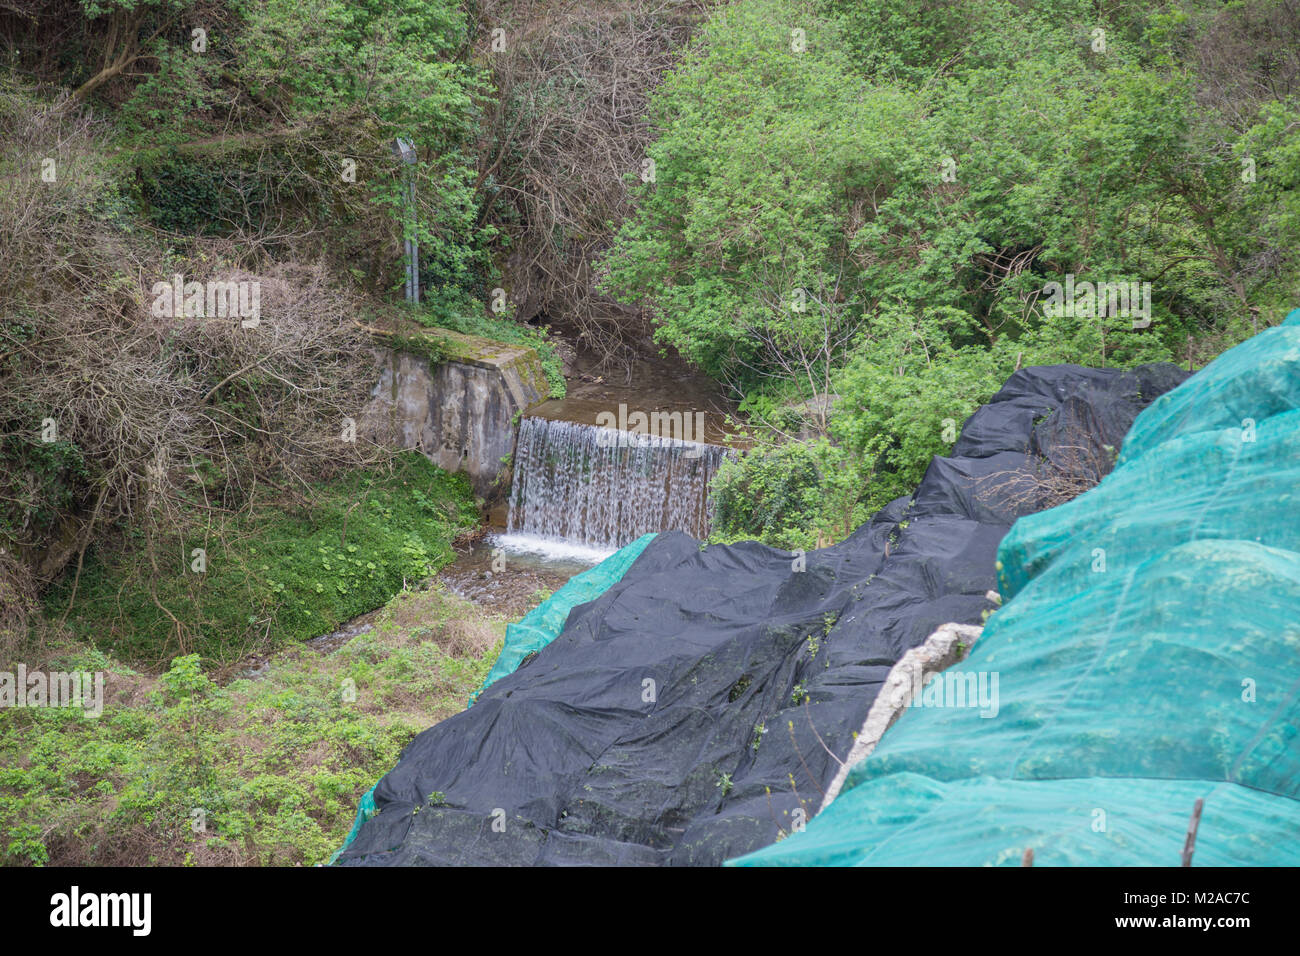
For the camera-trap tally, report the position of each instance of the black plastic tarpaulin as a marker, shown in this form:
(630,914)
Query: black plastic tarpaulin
(694,711)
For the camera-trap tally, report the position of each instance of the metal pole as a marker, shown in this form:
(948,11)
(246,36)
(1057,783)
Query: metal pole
(415,247)
(410,260)
(407,244)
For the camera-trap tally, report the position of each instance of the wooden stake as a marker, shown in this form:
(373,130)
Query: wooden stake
(1190,843)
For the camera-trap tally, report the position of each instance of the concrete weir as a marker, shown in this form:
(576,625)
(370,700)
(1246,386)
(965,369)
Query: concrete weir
(460,412)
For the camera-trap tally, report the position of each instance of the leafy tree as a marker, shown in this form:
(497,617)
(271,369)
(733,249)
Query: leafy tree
(859,209)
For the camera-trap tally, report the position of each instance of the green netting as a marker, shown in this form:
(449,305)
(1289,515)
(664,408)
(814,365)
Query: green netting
(365,810)
(534,631)
(1147,654)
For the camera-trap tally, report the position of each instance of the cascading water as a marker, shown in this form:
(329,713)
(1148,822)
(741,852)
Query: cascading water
(602,488)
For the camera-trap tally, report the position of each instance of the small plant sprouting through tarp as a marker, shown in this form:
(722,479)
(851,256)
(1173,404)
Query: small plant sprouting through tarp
(739,688)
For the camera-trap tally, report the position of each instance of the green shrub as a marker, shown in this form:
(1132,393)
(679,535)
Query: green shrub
(901,182)
(258,771)
(276,575)
(797,495)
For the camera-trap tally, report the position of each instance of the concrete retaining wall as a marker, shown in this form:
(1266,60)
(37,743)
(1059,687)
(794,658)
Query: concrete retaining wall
(461,413)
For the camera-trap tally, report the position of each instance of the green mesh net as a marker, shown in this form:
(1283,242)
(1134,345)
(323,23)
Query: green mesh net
(1147,655)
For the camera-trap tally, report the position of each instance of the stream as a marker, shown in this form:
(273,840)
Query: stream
(580,491)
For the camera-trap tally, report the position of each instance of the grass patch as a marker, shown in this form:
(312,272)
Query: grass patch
(276,574)
(180,770)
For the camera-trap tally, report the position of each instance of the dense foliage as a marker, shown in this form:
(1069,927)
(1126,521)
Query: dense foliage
(246,140)
(277,574)
(263,769)
(858,208)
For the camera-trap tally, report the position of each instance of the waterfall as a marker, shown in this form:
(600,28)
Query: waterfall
(599,487)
